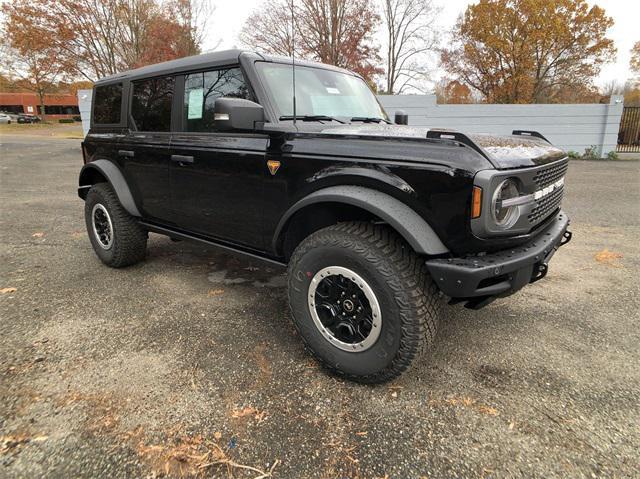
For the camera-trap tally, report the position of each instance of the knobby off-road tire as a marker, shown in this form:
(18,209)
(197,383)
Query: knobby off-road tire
(127,243)
(408,300)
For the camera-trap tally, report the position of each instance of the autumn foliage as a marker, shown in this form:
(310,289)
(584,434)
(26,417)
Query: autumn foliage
(95,38)
(337,32)
(529,51)
(453,92)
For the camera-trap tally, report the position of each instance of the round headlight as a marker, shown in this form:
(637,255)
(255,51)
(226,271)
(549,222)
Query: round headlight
(505,217)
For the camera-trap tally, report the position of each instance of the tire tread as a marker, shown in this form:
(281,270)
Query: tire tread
(404,272)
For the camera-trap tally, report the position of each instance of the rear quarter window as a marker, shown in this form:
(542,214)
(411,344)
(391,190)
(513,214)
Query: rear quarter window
(107,105)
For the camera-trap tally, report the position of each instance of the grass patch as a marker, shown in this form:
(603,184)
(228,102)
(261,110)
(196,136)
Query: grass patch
(51,130)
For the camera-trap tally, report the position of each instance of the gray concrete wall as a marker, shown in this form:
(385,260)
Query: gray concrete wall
(573,127)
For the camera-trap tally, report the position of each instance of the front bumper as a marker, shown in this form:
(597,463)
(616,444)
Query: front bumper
(478,280)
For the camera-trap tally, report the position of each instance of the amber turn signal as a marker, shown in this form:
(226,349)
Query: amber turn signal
(476,202)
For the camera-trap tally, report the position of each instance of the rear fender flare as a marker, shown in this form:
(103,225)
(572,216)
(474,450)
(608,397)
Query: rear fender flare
(115,178)
(409,224)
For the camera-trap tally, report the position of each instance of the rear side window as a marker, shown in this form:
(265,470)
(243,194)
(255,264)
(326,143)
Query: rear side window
(201,91)
(151,104)
(107,104)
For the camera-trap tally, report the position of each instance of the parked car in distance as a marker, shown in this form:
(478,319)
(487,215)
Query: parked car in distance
(379,223)
(26,118)
(5,119)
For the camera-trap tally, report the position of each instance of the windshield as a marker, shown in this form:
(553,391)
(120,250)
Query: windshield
(319,92)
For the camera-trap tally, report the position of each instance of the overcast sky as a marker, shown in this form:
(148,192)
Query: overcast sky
(231,14)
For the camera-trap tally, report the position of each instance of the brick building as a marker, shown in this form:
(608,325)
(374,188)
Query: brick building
(56,106)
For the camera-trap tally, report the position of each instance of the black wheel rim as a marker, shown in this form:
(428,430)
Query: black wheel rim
(102,226)
(344,309)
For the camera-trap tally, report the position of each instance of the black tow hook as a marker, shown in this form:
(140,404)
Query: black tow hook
(539,272)
(566,237)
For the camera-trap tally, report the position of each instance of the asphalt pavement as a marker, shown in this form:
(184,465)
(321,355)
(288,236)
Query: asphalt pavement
(188,364)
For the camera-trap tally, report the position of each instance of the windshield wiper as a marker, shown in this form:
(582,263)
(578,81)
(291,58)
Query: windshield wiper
(370,119)
(311,118)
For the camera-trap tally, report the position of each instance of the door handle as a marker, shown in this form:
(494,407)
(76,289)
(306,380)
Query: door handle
(127,153)
(182,159)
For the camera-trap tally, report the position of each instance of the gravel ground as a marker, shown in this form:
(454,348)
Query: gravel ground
(188,364)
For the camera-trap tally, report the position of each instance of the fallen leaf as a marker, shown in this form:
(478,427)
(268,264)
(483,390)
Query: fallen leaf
(249,411)
(217,435)
(608,257)
(362,433)
(37,235)
(8,290)
(215,292)
(488,410)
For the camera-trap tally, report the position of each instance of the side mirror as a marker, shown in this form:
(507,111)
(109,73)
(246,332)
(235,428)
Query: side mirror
(401,118)
(237,114)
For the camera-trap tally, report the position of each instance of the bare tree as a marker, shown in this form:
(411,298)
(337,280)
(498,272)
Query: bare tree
(337,32)
(269,29)
(340,32)
(411,36)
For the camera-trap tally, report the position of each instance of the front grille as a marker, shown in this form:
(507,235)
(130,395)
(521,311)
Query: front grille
(547,176)
(551,202)
(545,206)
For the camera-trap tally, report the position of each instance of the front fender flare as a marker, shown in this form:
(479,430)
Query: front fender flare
(409,224)
(115,178)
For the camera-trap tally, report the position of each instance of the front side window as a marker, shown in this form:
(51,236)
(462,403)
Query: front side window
(107,104)
(151,104)
(201,91)
(319,92)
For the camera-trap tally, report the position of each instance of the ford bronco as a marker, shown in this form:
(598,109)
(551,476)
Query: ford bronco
(379,223)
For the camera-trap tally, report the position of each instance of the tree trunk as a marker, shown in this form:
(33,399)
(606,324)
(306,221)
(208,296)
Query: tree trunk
(42,110)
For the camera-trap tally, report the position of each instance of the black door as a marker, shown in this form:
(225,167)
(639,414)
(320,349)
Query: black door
(217,178)
(217,185)
(144,152)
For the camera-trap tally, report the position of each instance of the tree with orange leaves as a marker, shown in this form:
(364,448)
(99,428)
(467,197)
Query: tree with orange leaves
(337,32)
(96,38)
(453,92)
(30,62)
(529,51)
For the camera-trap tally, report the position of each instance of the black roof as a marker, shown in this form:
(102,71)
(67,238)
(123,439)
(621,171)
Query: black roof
(205,60)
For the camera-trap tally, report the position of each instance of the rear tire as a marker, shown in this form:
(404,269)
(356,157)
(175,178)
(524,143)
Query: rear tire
(116,236)
(380,271)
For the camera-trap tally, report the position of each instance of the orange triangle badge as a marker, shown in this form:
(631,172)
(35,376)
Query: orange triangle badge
(273,166)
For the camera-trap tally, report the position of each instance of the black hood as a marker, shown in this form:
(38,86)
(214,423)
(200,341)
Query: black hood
(504,152)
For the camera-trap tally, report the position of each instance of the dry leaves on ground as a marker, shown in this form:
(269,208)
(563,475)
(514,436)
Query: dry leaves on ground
(258,415)
(469,403)
(609,258)
(182,455)
(8,290)
(215,292)
(37,235)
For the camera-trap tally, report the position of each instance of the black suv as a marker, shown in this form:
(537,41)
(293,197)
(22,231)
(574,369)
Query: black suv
(378,222)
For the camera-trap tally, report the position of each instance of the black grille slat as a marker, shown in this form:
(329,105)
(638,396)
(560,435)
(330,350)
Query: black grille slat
(550,175)
(546,205)
(550,202)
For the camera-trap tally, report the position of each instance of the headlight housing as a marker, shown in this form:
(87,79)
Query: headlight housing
(505,215)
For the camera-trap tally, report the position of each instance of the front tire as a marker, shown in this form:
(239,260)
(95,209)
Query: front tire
(116,236)
(362,300)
